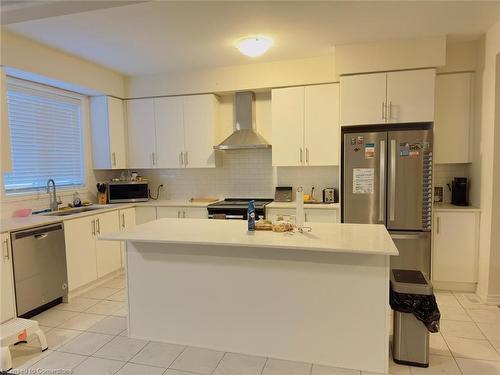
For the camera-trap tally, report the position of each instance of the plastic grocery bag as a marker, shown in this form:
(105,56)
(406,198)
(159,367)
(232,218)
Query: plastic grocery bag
(423,307)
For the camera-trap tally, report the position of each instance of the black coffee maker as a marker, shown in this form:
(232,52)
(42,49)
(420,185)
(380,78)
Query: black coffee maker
(459,191)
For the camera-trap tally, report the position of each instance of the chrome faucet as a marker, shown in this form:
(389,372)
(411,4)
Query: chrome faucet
(54,203)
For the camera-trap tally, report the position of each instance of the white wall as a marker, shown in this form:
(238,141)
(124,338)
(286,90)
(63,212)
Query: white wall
(484,166)
(26,55)
(390,55)
(235,78)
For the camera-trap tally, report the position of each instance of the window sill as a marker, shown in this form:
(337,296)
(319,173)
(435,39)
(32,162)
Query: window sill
(41,194)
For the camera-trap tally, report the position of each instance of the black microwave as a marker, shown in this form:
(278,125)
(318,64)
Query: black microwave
(128,191)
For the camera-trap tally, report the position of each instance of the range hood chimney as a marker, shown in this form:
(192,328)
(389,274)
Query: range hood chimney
(244,135)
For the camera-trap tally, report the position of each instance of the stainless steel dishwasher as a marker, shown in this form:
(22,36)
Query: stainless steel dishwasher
(40,277)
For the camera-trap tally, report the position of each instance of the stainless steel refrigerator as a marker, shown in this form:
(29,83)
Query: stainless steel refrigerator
(387,179)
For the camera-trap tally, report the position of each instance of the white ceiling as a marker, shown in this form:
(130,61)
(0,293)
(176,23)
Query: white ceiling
(162,36)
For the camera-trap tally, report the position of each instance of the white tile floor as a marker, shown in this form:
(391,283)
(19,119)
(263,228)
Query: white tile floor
(88,336)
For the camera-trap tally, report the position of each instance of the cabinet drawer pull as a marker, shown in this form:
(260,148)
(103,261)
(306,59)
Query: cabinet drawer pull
(93,227)
(123,220)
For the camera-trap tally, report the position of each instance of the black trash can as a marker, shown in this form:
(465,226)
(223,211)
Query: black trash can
(415,315)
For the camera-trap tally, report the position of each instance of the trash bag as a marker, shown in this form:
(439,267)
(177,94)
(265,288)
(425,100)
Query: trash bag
(423,307)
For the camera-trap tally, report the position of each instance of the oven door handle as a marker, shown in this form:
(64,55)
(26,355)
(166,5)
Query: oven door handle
(226,217)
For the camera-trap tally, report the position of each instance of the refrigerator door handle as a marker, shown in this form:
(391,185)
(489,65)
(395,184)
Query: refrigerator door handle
(415,236)
(392,197)
(381,198)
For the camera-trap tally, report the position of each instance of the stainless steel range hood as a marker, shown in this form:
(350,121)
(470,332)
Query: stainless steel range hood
(244,135)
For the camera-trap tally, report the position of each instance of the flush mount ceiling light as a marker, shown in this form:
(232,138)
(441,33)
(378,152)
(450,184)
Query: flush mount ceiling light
(254,46)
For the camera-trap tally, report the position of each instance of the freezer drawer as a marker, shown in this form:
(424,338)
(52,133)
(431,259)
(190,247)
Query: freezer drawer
(39,256)
(414,251)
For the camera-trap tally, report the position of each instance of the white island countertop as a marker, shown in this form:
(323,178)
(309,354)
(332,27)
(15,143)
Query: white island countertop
(368,239)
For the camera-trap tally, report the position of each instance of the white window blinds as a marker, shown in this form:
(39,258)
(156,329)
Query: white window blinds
(46,139)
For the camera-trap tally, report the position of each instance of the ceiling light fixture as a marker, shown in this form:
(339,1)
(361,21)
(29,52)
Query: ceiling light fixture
(254,46)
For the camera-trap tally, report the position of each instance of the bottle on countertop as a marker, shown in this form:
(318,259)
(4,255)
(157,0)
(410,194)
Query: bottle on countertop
(251,216)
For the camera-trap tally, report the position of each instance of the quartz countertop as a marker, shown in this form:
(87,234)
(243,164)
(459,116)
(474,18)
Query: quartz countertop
(442,207)
(19,223)
(369,239)
(328,206)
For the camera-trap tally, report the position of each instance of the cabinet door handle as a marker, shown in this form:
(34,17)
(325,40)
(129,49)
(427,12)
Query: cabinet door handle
(183,214)
(6,252)
(383,110)
(123,220)
(153,158)
(98,226)
(301,154)
(186,158)
(307,155)
(437,224)
(181,158)
(178,214)
(93,227)
(389,109)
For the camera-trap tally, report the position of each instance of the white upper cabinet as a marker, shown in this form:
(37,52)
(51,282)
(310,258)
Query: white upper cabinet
(287,106)
(169,132)
(172,132)
(394,97)
(141,133)
(410,96)
(454,98)
(305,125)
(108,133)
(200,118)
(322,131)
(362,99)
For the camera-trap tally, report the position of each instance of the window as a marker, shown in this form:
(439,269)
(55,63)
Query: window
(46,138)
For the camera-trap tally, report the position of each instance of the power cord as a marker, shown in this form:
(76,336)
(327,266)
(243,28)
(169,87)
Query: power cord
(157,193)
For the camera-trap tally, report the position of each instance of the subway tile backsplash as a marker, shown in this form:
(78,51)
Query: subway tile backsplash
(240,173)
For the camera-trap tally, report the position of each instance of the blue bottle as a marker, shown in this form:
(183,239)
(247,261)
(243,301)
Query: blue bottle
(251,216)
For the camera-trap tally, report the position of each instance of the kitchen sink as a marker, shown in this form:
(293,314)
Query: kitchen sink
(72,211)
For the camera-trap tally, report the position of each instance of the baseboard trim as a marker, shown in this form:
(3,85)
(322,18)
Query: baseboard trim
(455,286)
(493,299)
(85,288)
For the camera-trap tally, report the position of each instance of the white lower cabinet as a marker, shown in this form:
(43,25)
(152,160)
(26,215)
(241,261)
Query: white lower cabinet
(312,215)
(108,253)
(7,295)
(182,212)
(127,220)
(455,247)
(88,258)
(79,235)
(144,214)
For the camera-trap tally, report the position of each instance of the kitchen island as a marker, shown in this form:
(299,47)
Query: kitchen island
(319,297)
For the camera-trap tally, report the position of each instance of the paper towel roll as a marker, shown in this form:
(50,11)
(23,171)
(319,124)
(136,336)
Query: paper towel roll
(299,214)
